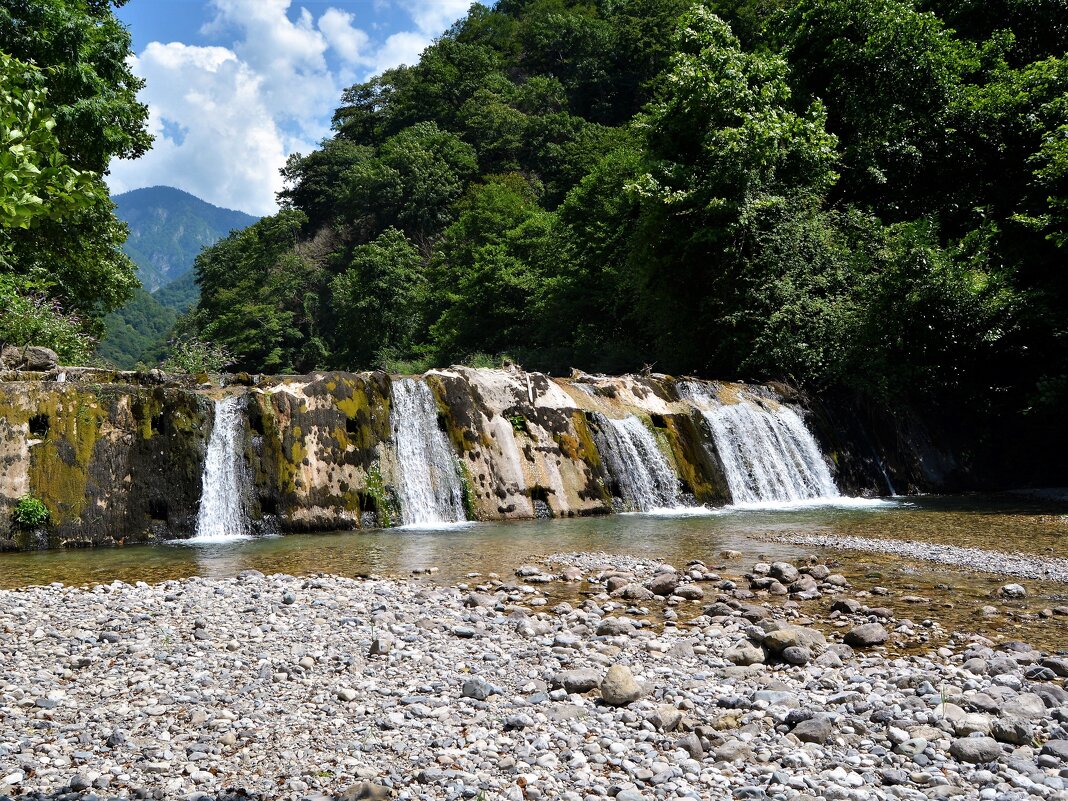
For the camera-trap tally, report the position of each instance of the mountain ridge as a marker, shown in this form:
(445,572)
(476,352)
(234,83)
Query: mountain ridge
(169,227)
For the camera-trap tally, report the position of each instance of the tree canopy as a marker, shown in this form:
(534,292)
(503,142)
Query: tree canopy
(68,106)
(867,195)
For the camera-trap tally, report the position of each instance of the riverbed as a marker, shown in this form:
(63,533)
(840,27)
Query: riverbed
(332,689)
(1036,527)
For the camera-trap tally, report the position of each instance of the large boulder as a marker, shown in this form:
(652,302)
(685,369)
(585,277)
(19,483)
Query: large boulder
(867,635)
(814,730)
(39,359)
(1058,749)
(580,680)
(1012,730)
(618,687)
(663,583)
(783,636)
(976,750)
(745,653)
(784,572)
(1025,706)
(615,627)
(10,357)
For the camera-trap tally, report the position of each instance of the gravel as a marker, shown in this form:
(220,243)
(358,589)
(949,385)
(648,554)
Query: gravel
(502,697)
(974,559)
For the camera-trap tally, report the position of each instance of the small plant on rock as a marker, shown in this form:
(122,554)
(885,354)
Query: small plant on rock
(30,512)
(192,355)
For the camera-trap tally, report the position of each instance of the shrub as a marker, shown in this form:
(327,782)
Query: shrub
(192,355)
(488,360)
(27,318)
(30,512)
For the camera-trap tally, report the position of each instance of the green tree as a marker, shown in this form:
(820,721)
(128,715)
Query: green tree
(375,303)
(722,145)
(412,183)
(888,76)
(312,184)
(589,294)
(258,298)
(36,179)
(485,275)
(82,49)
(67,81)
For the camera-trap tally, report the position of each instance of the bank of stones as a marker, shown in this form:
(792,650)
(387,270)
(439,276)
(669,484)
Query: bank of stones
(267,685)
(1022,565)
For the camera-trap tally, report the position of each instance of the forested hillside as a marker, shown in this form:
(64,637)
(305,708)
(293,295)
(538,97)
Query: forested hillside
(845,193)
(167,229)
(137,333)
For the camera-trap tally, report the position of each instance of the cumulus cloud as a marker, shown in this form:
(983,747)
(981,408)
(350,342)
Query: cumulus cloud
(400,48)
(431,18)
(351,43)
(215,136)
(434,16)
(227,117)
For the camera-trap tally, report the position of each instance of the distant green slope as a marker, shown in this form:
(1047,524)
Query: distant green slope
(137,332)
(168,228)
(180,295)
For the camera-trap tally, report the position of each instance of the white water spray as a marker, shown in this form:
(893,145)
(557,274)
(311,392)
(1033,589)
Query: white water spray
(646,480)
(767,452)
(428,482)
(222,514)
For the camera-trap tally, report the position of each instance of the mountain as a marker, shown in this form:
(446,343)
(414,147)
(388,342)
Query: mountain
(180,294)
(169,227)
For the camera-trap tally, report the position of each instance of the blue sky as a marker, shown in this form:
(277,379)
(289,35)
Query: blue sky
(235,86)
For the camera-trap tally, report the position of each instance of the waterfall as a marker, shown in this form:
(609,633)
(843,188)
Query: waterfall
(222,513)
(646,480)
(767,452)
(428,481)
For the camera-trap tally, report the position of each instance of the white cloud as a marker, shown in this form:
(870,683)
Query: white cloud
(434,16)
(400,48)
(215,137)
(289,56)
(346,39)
(226,118)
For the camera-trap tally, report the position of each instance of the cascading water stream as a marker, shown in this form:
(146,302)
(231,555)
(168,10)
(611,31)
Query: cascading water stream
(428,485)
(646,480)
(222,514)
(767,452)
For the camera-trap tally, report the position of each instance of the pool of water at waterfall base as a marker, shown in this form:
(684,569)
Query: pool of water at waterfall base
(1007,523)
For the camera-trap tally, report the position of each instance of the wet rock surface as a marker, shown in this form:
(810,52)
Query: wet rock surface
(270,687)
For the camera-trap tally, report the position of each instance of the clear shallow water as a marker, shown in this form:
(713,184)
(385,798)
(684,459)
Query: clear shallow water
(1007,523)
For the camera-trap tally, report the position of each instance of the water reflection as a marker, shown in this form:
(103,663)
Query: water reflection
(1000,522)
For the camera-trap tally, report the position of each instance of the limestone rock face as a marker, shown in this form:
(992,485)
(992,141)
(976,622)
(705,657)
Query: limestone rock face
(315,446)
(111,461)
(119,456)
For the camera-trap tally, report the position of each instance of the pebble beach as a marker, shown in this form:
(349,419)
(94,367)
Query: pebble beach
(662,683)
